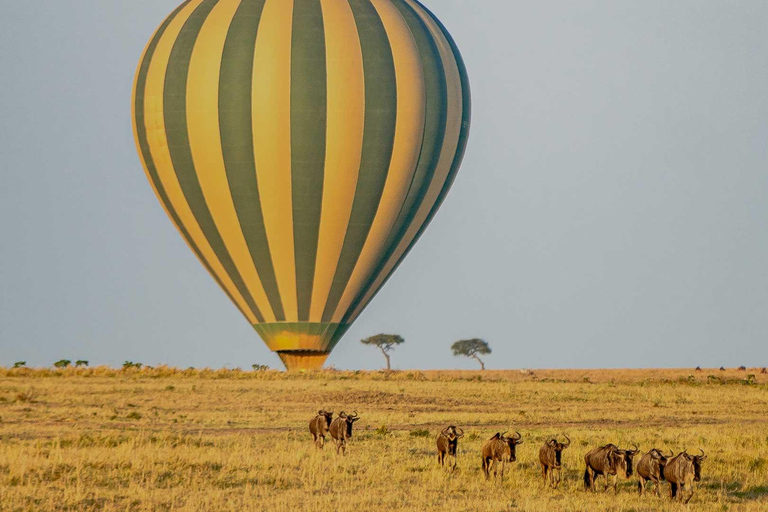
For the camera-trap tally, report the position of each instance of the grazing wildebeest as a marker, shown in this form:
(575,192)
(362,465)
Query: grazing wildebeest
(319,426)
(550,457)
(698,368)
(742,368)
(447,442)
(608,460)
(764,371)
(650,468)
(500,449)
(681,471)
(341,430)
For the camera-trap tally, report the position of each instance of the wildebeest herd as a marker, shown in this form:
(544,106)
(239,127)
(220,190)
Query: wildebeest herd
(609,461)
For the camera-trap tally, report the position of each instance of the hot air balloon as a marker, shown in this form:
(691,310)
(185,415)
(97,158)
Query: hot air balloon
(301,147)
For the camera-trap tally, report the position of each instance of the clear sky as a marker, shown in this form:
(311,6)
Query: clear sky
(612,209)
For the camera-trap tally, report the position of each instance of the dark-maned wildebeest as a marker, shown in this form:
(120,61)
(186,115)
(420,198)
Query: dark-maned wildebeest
(650,468)
(500,449)
(764,371)
(681,471)
(341,430)
(319,426)
(608,460)
(550,457)
(447,442)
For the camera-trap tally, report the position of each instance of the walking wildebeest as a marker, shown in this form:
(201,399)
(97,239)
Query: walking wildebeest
(500,448)
(651,468)
(341,430)
(319,426)
(681,471)
(447,442)
(550,457)
(608,460)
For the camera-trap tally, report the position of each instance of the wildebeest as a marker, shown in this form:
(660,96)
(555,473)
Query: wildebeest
(319,426)
(742,368)
(500,449)
(341,430)
(607,460)
(681,471)
(764,371)
(550,457)
(447,442)
(650,468)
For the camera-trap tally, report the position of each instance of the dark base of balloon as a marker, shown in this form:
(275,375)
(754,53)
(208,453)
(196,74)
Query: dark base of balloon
(298,361)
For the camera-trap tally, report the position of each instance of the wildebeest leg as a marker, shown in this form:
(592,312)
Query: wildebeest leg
(440,457)
(690,495)
(672,490)
(544,474)
(641,485)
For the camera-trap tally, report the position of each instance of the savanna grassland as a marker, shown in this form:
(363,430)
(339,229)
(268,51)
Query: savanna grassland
(205,440)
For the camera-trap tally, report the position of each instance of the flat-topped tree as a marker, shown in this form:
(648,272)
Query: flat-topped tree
(470,348)
(385,343)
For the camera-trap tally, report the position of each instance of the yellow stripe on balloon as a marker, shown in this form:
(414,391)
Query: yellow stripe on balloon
(272,142)
(146,169)
(344,143)
(409,132)
(205,144)
(158,144)
(447,153)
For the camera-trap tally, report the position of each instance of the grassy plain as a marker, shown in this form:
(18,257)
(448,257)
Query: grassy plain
(205,440)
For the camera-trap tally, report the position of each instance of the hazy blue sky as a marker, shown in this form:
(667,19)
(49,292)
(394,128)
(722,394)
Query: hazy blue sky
(611,210)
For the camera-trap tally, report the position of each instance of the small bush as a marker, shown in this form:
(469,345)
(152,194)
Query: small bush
(382,430)
(130,364)
(19,364)
(62,363)
(420,433)
(81,362)
(134,416)
(260,367)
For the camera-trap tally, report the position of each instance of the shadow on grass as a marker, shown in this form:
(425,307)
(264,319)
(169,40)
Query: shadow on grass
(751,493)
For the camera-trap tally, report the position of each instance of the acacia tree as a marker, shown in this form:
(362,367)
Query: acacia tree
(385,343)
(470,348)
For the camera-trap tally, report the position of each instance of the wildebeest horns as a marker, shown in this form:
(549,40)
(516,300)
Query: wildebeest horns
(458,431)
(342,414)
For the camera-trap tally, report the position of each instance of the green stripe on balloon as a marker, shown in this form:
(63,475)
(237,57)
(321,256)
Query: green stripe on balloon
(378,140)
(308,137)
(175,112)
(235,119)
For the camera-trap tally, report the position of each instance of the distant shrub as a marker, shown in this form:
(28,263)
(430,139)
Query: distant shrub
(81,362)
(19,364)
(62,363)
(260,367)
(134,416)
(420,433)
(131,364)
(382,430)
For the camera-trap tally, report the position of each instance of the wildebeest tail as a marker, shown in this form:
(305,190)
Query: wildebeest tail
(586,478)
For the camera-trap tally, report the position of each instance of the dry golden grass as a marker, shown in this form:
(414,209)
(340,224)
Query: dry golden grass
(167,439)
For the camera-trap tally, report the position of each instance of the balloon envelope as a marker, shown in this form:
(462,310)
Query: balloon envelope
(301,147)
